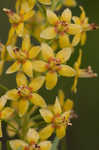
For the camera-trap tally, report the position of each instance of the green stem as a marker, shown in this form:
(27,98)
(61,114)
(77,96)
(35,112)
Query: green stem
(3,87)
(55,144)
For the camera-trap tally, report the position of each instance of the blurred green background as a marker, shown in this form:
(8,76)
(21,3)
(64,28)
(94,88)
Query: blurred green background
(84,134)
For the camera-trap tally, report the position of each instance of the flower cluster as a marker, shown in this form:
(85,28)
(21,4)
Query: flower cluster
(56,33)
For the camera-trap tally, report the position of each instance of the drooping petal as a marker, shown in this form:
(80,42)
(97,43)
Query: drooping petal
(74,29)
(21,79)
(39,66)
(45,145)
(61,97)
(38,100)
(51,80)
(52,17)
(61,131)
(16,144)
(7,113)
(47,51)
(68,105)
(67,71)
(20,29)
(14,67)
(45,2)
(66,15)
(64,41)
(27,68)
(47,115)
(0,129)
(34,51)
(12,94)
(32,135)
(76,39)
(3,101)
(64,54)
(37,83)
(23,107)
(46,132)
(57,107)
(48,33)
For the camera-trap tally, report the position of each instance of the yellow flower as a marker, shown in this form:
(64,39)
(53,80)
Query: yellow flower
(58,118)
(26,93)
(70,3)
(54,65)
(83,21)
(59,27)
(32,142)
(45,2)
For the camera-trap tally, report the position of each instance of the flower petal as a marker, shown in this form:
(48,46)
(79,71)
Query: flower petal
(66,15)
(23,107)
(46,132)
(12,94)
(1,66)
(3,101)
(57,107)
(16,144)
(14,67)
(45,2)
(70,3)
(64,54)
(48,33)
(0,129)
(83,38)
(7,113)
(68,105)
(47,115)
(67,71)
(10,130)
(20,29)
(34,51)
(37,83)
(74,29)
(76,39)
(61,97)
(39,65)
(61,131)
(47,51)
(27,68)
(45,145)
(21,79)
(38,100)
(64,41)
(32,135)
(28,15)
(51,80)
(52,17)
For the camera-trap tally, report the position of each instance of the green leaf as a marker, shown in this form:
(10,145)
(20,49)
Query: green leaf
(55,144)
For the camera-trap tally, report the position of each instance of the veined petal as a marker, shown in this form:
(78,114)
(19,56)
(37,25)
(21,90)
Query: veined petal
(51,80)
(74,29)
(45,2)
(27,68)
(76,39)
(32,135)
(16,144)
(64,54)
(0,129)
(47,115)
(28,15)
(7,113)
(48,33)
(34,51)
(47,51)
(21,79)
(38,100)
(14,67)
(61,131)
(12,94)
(39,66)
(61,97)
(46,132)
(67,71)
(83,38)
(45,145)
(57,107)
(68,105)
(66,15)
(64,40)
(23,107)
(52,17)
(20,29)
(3,101)
(37,83)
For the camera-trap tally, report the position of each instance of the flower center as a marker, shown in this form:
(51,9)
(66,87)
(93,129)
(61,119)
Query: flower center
(61,27)
(24,91)
(53,64)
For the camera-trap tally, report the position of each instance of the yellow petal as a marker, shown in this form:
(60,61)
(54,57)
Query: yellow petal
(52,17)
(83,38)
(67,71)
(0,129)
(21,79)
(11,132)
(26,42)
(64,54)
(12,94)
(61,131)
(1,66)
(61,97)
(11,35)
(51,80)
(68,105)
(7,113)
(45,2)
(37,83)
(37,100)
(11,52)
(76,39)
(28,15)
(3,101)
(66,15)
(14,67)
(20,29)
(47,115)
(70,3)
(27,68)
(39,66)
(64,41)
(46,132)
(32,135)
(16,144)
(23,107)
(83,14)
(45,145)
(34,51)
(47,51)
(74,29)
(66,115)
(57,107)
(48,33)
(76,20)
